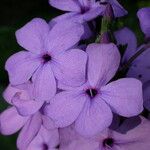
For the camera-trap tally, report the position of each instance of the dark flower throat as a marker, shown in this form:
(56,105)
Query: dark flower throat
(91,92)
(109,142)
(46,58)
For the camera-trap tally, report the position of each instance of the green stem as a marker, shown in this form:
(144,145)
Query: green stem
(105,25)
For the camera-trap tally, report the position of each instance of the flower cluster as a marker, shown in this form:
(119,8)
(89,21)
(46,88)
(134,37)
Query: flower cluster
(72,96)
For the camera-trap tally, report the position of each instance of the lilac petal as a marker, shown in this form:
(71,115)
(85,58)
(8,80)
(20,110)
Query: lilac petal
(59,37)
(21,67)
(69,67)
(45,138)
(72,16)
(124,96)
(44,83)
(119,11)
(66,5)
(48,123)
(31,36)
(144,18)
(29,131)
(65,108)
(93,12)
(26,107)
(126,36)
(146,94)
(9,93)
(138,137)
(95,117)
(11,121)
(103,63)
(140,68)
(87,31)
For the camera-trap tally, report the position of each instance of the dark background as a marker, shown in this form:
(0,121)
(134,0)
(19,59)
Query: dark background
(15,13)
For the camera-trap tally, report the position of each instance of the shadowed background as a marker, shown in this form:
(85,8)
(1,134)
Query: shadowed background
(15,13)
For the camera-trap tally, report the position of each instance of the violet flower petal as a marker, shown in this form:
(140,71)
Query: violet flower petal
(95,117)
(63,36)
(11,121)
(126,36)
(65,108)
(21,67)
(103,63)
(144,18)
(26,107)
(66,5)
(70,67)
(29,131)
(44,83)
(124,96)
(31,36)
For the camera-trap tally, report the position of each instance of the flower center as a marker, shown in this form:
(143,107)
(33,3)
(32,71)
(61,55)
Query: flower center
(46,58)
(84,10)
(91,92)
(109,142)
(45,146)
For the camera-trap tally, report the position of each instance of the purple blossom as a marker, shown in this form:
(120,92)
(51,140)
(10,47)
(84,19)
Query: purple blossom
(140,67)
(127,37)
(91,105)
(118,10)
(79,10)
(136,136)
(144,18)
(49,56)
(25,115)
(85,10)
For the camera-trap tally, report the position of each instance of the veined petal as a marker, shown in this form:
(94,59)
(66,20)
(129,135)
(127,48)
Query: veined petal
(21,67)
(144,18)
(32,35)
(103,63)
(26,107)
(119,11)
(70,67)
(63,36)
(29,131)
(44,83)
(93,12)
(11,121)
(126,36)
(45,139)
(66,5)
(65,108)
(9,93)
(94,118)
(124,96)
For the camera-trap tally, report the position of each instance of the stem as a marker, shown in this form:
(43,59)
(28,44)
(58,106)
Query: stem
(143,49)
(103,37)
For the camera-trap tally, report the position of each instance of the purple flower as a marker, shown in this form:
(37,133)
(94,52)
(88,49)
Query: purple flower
(144,18)
(132,139)
(127,37)
(45,140)
(49,56)
(118,10)
(140,67)
(90,106)
(79,10)
(26,116)
(146,94)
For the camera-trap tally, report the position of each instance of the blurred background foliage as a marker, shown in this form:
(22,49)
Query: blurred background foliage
(15,13)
